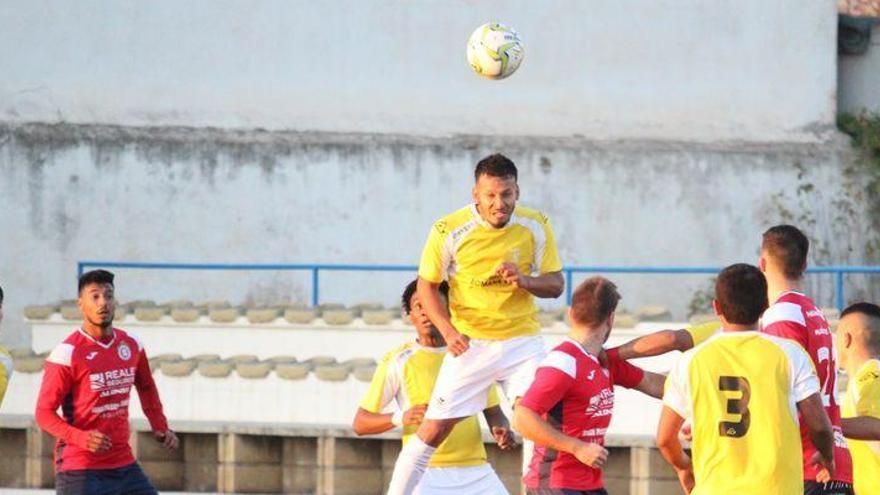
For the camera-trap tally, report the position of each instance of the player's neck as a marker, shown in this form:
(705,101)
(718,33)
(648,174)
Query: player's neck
(778,285)
(591,341)
(97,332)
(856,359)
(430,341)
(735,327)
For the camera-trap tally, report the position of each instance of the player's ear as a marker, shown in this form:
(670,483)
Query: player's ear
(610,322)
(474,194)
(716,307)
(517,191)
(762,264)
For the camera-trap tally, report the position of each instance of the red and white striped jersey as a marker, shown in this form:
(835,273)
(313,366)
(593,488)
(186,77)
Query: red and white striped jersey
(91,382)
(794,316)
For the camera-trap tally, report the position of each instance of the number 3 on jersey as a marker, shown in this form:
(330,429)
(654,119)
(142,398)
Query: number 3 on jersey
(737,391)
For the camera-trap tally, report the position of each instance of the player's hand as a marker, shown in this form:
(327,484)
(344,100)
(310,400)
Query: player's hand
(510,273)
(504,437)
(686,479)
(686,433)
(591,454)
(456,342)
(827,470)
(98,442)
(168,439)
(414,415)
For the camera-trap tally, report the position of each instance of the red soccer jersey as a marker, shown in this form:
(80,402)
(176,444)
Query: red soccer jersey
(91,381)
(794,316)
(575,394)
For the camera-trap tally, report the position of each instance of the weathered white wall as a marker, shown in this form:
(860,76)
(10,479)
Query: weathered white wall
(69,193)
(859,79)
(675,69)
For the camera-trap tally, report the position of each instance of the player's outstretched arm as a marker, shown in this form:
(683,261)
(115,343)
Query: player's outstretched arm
(861,428)
(370,423)
(671,449)
(814,417)
(500,427)
(655,344)
(532,426)
(652,384)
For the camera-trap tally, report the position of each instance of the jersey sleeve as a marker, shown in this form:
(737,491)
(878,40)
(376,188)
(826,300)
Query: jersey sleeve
(435,261)
(624,373)
(56,385)
(804,381)
(554,378)
(701,333)
(546,253)
(676,394)
(383,387)
(6,369)
(494,399)
(868,393)
(149,394)
(785,320)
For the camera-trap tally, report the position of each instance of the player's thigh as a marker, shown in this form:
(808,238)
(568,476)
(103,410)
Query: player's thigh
(522,356)
(85,482)
(830,488)
(135,481)
(462,386)
(471,480)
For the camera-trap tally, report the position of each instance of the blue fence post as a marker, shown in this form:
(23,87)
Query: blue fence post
(568,288)
(838,280)
(315,289)
(80,268)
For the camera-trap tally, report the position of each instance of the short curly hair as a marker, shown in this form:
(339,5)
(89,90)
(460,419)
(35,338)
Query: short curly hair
(411,289)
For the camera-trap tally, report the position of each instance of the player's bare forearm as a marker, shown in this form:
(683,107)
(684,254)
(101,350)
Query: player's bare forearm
(861,428)
(530,425)
(369,423)
(652,384)
(432,301)
(818,425)
(655,344)
(546,286)
(668,442)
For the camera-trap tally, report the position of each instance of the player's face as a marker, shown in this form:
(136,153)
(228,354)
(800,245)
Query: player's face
(843,337)
(495,198)
(420,320)
(97,304)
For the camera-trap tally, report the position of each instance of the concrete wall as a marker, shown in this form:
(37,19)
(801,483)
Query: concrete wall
(683,70)
(73,192)
(859,79)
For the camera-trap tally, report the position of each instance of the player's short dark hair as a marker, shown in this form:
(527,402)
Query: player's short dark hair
(411,289)
(865,308)
(94,277)
(788,246)
(593,301)
(496,165)
(741,292)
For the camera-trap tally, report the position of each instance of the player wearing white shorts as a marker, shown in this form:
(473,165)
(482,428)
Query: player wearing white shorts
(497,257)
(406,376)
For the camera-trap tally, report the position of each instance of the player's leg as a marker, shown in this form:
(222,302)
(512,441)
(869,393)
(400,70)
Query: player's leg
(520,361)
(75,483)
(135,482)
(461,390)
(471,480)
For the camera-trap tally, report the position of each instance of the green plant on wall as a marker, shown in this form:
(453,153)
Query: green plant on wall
(864,128)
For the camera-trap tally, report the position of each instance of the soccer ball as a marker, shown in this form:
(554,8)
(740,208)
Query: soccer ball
(495,50)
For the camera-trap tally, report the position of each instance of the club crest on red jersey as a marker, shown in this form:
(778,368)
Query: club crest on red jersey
(124,351)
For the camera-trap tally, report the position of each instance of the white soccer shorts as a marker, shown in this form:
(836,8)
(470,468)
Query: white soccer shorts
(463,382)
(472,480)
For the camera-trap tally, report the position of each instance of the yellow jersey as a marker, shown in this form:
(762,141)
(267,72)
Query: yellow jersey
(740,392)
(863,399)
(701,333)
(6,367)
(465,250)
(406,376)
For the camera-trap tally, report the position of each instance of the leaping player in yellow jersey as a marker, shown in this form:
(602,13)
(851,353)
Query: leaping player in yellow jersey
(858,348)
(406,376)
(742,391)
(497,257)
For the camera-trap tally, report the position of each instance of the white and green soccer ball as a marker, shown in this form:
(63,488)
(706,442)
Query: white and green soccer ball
(495,50)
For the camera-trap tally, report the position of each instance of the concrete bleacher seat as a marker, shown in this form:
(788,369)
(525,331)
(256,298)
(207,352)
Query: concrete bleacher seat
(378,316)
(332,372)
(215,369)
(338,316)
(151,313)
(39,312)
(29,363)
(364,373)
(186,314)
(262,315)
(71,312)
(183,367)
(300,315)
(292,371)
(254,370)
(224,315)
(281,359)
(315,361)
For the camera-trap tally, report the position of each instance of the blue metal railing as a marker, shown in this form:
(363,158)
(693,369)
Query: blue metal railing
(315,269)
